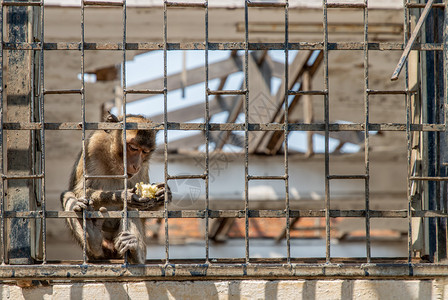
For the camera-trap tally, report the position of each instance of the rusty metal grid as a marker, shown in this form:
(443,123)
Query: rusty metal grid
(248,266)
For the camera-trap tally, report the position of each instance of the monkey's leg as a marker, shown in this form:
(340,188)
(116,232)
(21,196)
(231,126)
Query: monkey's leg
(132,240)
(94,234)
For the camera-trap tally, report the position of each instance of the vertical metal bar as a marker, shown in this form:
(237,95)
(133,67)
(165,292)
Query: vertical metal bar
(125,159)
(207,140)
(246,130)
(445,113)
(327,135)
(42,134)
(408,132)
(165,124)
(83,114)
(2,204)
(19,103)
(286,132)
(366,132)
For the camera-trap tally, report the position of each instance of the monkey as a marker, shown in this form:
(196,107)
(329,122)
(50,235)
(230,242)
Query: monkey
(107,238)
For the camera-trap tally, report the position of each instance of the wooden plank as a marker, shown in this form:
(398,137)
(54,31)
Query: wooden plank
(261,103)
(295,70)
(195,76)
(195,111)
(194,141)
(272,141)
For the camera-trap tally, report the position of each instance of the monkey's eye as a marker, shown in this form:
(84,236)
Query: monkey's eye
(147,151)
(133,148)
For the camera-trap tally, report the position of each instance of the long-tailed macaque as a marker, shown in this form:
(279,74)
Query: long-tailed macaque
(106,238)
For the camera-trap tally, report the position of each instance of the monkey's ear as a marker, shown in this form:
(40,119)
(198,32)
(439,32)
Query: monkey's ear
(112,119)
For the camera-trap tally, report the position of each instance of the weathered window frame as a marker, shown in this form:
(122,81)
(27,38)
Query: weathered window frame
(429,130)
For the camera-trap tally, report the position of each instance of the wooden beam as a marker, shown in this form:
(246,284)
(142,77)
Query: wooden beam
(272,141)
(195,76)
(296,70)
(309,113)
(237,105)
(261,106)
(196,111)
(194,141)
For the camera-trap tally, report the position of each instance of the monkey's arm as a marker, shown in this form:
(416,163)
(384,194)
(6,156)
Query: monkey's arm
(116,198)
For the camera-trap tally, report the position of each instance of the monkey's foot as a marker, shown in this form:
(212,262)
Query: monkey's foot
(126,241)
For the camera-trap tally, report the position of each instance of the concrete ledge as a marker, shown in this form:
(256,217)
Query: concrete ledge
(234,289)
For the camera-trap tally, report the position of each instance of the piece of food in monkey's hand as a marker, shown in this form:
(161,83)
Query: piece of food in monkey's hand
(146,190)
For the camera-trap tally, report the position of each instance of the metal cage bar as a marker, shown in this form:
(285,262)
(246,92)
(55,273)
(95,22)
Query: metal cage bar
(207,141)
(286,134)
(246,129)
(42,133)
(2,170)
(125,148)
(366,131)
(408,131)
(327,133)
(165,123)
(332,46)
(83,128)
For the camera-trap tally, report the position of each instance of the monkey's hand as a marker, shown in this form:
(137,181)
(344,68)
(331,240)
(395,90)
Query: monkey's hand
(81,204)
(160,194)
(138,202)
(126,241)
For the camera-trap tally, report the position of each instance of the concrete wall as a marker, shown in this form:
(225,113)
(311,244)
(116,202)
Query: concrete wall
(235,289)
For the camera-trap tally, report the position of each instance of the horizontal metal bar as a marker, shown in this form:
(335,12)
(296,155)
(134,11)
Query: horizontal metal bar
(15,3)
(390,92)
(330,177)
(346,5)
(265,4)
(254,213)
(106,176)
(324,92)
(186,4)
(222,92)
(57,92)
(422,5)
(221,46)
(280,177)
(174,177)
(266,268)
(225,126)
(148,92)
(416,178)
(228,214)
(9,177)
(102,3)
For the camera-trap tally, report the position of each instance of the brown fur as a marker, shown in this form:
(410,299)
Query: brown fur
(104,156)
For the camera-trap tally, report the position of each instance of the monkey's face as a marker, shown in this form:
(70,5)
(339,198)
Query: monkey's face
(138,150)
(136,156)
(139,143)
